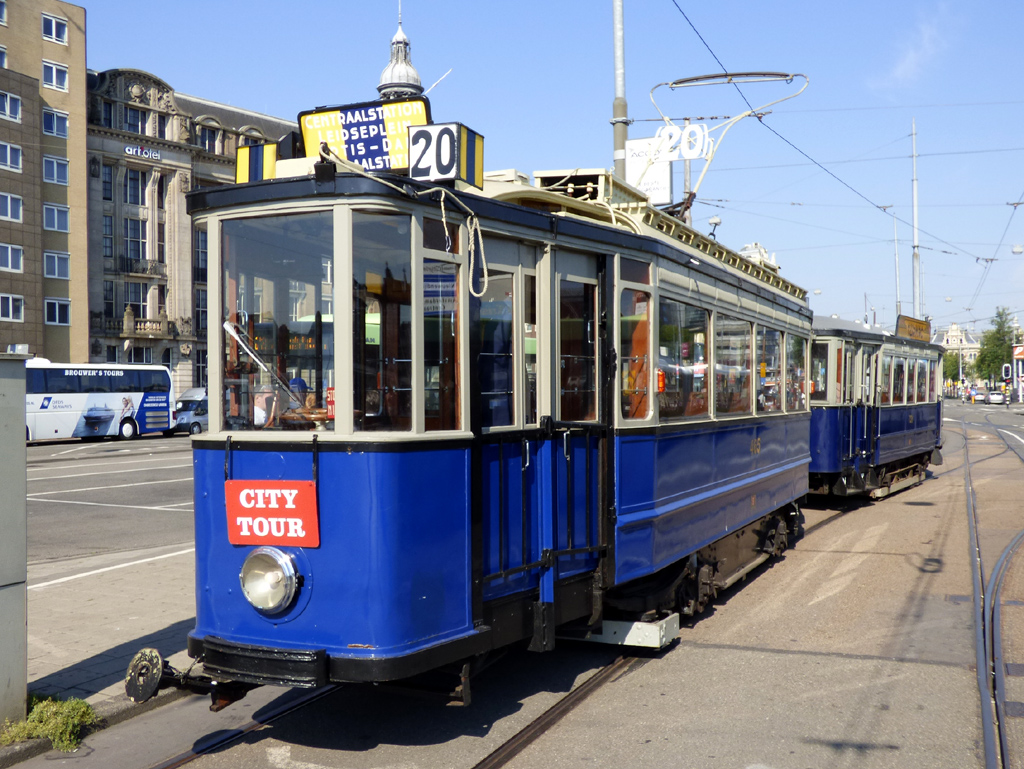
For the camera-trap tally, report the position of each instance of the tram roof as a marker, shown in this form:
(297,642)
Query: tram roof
(825,325)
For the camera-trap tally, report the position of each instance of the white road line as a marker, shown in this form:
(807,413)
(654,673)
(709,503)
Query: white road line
(1012,435)
(163,509)
(104,488)
(109,568)
(77,448)
(117,471)
(81,463)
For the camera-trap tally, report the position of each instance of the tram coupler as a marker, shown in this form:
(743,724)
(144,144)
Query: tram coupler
(148,673)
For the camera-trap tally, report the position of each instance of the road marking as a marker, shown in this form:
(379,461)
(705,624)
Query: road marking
(81,463)
(164,509)
(104,488)
(119,471)
(1012,435)
(77,448)
(109,568)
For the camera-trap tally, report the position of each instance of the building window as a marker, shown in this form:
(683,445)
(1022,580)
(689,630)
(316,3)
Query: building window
(135,120)
(135,297)
(55,29)
(208,139)
(109,303)
(199,266)
(199,370)
(134,238)
(11,258)
(56,218)
(108,182)
(55,76)
(55,170)
(161,126)
(55,123)
(111,353)
(3,12)
(135,187)
(161,233)
(10,106)
(57,264)
(107,115)
(108,236)
(200,326)
(12,308)
(58,312)
(3,57)
(161,300)
(10,156)
(161,192)
(10,207)
(140,355)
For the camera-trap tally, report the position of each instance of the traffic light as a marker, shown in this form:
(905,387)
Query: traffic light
(1007,373)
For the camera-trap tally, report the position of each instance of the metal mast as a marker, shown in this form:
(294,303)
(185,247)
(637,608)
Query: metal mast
(917,253)
(620,119)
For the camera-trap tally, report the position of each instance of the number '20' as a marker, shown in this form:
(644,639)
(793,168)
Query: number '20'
(438,164)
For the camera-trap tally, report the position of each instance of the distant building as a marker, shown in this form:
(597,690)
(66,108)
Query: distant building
(43,240)
(959,341)
(147,146)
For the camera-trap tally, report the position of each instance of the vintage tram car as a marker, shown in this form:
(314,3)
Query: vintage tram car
(447,420)
(876,407)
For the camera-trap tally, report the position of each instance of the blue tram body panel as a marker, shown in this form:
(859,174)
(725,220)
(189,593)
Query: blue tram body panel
(678,492)
(390,575)
(830,433)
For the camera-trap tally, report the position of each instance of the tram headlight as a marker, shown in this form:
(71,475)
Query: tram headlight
(269,580)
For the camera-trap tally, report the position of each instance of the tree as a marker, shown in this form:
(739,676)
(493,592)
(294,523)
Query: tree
(996,346)
(951,366)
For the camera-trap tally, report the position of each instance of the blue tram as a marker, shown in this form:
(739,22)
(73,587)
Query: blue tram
(527,410)
(876,409)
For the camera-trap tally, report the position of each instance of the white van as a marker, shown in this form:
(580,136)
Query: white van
(192,412)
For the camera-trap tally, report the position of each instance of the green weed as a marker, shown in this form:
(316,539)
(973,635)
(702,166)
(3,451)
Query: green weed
(59,720)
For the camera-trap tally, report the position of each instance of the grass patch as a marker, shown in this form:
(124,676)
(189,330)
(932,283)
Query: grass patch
(61,721)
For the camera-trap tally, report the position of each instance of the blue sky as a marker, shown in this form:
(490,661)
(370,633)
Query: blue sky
(536,79)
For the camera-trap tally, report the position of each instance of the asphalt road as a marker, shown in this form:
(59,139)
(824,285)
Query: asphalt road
(855,650)
(90,498)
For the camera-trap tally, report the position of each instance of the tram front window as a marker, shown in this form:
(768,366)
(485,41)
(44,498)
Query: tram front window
(278,332)
(382,322)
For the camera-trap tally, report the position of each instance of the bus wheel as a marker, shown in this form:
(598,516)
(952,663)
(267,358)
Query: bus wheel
(127,430)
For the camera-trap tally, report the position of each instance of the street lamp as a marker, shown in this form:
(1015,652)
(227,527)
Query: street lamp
(714,221)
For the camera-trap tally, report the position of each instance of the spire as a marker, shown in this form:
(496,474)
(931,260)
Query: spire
(399,80)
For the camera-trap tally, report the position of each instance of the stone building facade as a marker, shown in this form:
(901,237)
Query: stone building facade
(147,147)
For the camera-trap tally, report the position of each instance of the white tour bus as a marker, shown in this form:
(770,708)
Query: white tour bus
(86,400)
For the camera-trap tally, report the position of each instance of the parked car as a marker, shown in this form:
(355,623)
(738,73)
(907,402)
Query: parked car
(994,397)
(192,412)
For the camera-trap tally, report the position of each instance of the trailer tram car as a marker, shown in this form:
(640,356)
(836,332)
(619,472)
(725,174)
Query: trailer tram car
(528,410)
(876,409)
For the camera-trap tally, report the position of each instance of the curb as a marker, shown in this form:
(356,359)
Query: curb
(108,714)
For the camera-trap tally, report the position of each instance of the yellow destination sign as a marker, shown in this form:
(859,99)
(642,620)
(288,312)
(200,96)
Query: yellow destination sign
(913,328)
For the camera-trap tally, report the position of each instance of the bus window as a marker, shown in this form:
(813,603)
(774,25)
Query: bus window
(495,365)
(682,370)
(634,314)
(819,371)
(769,370)
(732,365)
(796,372)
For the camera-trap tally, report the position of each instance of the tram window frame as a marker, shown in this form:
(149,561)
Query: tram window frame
(885,379)
(693,340)
(504,334)
(796,397)
(568,410)
(635,403)
(741,329)
(764,403)
(922,380)
(899,380)
(820,357)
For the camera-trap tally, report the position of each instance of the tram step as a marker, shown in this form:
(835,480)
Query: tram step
(652,635)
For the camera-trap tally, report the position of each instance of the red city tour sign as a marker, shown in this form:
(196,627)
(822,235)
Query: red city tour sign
(272,513)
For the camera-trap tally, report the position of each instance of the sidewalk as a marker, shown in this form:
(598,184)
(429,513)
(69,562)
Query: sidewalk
(87,617)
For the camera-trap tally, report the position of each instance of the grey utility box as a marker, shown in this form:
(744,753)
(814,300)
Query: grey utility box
(13,540)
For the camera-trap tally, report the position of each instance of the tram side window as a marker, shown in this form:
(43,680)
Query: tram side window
(819,371)
(441,344)
(899,379)
(796,372)
(577,351)
(769,370)
(495,365)
(932,374)
(634,313)
(382,323)
(922,381)
(278,331)
(732,365)
(911,387)
(885,381)
(682,370)
(530,346)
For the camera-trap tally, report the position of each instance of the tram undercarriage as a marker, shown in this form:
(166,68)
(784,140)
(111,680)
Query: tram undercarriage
(875,482)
